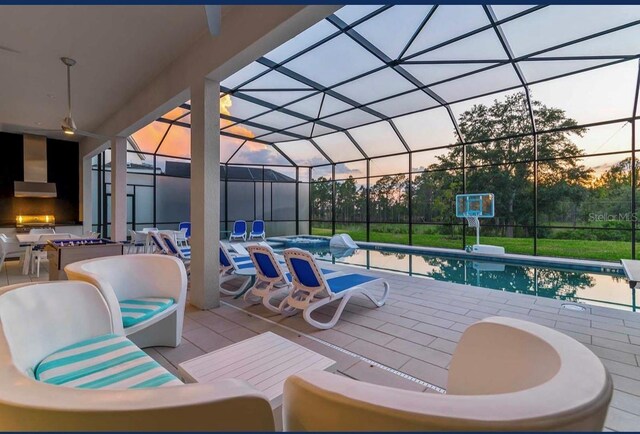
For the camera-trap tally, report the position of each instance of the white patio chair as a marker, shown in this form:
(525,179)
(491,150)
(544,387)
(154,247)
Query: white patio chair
(138,243)
(312,290)
(40,321)
(146,294)
(187,226)
(38,254)
(10,248)
(505,375)
(92,235)
(181,237)
(272,277)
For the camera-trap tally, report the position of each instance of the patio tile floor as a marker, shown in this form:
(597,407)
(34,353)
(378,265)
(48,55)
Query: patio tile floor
(415,333)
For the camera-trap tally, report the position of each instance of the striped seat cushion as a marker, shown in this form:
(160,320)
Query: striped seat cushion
(103,362)
(136,310)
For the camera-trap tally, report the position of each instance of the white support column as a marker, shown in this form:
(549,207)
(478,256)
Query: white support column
(87,195)
(205,193)
(119,189)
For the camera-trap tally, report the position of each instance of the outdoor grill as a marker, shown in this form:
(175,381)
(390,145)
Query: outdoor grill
(24,223)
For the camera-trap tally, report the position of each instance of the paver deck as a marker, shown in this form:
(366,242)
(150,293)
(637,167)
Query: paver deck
(415,333)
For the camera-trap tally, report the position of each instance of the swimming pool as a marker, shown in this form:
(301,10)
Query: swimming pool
(303,242)
(579,282)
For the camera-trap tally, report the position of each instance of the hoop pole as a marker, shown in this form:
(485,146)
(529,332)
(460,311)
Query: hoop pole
(478,232)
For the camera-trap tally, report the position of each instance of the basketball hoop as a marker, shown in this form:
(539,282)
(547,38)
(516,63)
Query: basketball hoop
(473,222)
(472,208)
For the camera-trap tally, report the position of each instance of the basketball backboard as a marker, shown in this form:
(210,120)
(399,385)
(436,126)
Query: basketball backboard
(479,205)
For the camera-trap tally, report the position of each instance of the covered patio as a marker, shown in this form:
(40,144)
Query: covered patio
(368,121)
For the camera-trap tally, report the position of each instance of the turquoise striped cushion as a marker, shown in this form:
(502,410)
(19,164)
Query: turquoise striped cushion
(141,309)
(103,362)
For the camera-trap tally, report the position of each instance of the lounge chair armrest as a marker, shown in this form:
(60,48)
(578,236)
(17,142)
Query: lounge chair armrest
(225,405)
(358,406)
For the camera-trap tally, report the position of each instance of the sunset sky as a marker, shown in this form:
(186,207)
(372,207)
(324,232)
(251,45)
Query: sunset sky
(599,95)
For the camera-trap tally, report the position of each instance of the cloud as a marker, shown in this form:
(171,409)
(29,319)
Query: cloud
(344,169)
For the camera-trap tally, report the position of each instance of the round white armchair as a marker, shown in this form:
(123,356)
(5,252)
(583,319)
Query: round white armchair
(40,320)
(505,375)
(131,284)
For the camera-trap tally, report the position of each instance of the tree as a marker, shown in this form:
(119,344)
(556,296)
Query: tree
(433,196)
(388,199)
(502,140)
(610,195)
(350,201)
(321,199)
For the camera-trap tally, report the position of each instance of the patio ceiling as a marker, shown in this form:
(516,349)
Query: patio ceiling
(371,81)
(111,68)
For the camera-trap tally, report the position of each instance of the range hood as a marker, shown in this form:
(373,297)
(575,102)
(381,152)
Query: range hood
(35,170)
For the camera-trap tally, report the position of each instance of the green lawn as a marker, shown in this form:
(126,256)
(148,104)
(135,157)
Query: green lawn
(583,249)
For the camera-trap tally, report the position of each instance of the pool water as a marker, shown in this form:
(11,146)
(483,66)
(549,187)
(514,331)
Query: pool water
(596,286)
(306,242)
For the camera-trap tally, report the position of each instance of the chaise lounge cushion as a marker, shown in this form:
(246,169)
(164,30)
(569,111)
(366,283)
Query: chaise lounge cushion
(135,311)
(103,362)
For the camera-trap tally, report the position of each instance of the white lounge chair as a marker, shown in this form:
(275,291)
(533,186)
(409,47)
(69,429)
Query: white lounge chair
(257,230)
(39,322)
(146,294)
(239,231)
(505,375)
(272,277)
(155,243)
(10,248)
(312,290)
(239,249)
(182,253)
(229,264)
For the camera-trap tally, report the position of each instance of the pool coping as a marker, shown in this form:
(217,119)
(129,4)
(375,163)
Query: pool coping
(567,263)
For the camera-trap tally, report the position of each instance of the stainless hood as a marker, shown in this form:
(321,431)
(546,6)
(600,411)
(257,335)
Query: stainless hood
(35,170)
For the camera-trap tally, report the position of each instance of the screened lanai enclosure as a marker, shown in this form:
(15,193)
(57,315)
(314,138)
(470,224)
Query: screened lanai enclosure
(372,120)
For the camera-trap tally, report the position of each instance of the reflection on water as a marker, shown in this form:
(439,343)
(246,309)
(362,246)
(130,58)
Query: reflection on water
(606,289)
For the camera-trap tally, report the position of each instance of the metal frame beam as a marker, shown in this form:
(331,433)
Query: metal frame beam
(516,67)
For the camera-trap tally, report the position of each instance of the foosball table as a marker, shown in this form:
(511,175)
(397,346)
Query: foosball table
(63,252)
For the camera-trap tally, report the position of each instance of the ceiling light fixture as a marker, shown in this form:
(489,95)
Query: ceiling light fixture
(68,125)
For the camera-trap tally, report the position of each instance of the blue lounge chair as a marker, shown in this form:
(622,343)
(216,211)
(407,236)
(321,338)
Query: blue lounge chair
(187,226)
(312,290)
(156,244)
(257,230)
(239,230)
(229,264)
(272,277)
(182,253)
